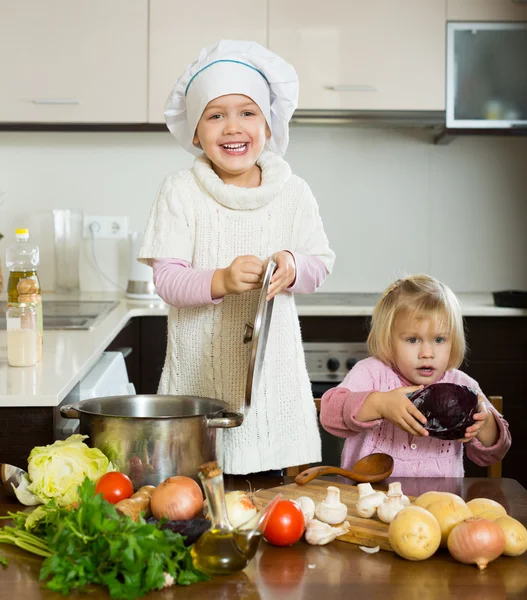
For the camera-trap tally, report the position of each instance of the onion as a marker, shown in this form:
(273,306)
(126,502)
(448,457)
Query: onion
(177,498)
(240,505)
(476,541)
(515,536)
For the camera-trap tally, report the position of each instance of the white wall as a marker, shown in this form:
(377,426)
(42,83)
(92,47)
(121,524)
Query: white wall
(392,202)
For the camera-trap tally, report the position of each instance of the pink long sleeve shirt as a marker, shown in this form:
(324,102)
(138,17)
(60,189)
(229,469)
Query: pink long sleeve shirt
(180,285)
(414,456)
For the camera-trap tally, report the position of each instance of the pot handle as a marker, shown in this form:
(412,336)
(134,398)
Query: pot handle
(69,411)
(227,421)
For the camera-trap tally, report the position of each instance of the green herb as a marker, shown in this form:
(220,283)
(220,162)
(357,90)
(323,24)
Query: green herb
(3,561)
(24,540)
(95,545)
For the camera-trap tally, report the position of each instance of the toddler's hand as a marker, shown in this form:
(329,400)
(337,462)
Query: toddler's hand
(243,274)
(284,275)
(481,417)
(395,407)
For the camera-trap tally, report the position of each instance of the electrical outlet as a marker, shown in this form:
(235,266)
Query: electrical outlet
(106,228)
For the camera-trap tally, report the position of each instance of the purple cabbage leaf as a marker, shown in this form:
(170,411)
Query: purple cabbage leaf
(448,408)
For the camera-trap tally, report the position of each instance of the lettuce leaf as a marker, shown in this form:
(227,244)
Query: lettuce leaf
(58,469)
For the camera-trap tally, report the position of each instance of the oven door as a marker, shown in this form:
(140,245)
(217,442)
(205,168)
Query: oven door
(331,445)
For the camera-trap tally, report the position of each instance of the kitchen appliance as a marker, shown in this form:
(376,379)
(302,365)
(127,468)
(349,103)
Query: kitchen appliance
(510,298)
(327,365)
(152,437)
(70,314)
(486,76)
(140,278)
(67,229)
(108,377)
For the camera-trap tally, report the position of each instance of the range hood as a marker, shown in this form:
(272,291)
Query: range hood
(376,118)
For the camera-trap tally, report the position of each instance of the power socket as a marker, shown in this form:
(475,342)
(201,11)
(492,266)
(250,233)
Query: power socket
(105,228)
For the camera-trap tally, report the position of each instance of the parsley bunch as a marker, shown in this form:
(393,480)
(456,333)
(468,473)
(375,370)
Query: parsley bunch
(95,545)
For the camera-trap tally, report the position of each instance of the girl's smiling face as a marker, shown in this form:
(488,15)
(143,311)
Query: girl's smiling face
(232,132)
(421,349)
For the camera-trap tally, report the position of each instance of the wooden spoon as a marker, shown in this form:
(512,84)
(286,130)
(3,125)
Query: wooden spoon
(369,469)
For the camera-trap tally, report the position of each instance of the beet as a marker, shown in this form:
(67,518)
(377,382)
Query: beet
(448,409)
(191,529)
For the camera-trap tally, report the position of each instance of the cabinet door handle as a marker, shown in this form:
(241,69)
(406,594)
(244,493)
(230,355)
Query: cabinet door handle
(352,88)
(55,101)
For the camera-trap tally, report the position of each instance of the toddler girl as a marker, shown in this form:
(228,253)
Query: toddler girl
(209,235)
(416,339)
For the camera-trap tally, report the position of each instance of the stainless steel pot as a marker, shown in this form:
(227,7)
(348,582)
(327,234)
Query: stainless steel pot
(153,437)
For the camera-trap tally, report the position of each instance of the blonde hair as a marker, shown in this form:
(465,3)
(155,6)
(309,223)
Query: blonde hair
(419,297)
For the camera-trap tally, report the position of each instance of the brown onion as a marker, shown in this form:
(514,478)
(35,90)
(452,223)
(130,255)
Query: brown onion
(177,498)
(476,541)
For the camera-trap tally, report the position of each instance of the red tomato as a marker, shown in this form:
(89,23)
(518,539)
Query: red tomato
(114,486)
(286,524)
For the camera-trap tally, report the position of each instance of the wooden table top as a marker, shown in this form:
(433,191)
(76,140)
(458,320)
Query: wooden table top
(337,570)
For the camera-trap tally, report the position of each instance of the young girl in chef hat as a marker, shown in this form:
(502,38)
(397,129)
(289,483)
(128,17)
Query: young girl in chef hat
(208,237)
(416,339)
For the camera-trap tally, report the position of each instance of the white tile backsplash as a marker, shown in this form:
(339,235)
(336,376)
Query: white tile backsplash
(392,202)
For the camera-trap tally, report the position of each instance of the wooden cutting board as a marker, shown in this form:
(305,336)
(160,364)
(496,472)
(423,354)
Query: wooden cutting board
(365,532)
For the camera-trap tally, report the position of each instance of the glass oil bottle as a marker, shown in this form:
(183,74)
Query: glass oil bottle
(224,549)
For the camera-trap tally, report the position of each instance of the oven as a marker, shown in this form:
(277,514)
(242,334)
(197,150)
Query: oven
(327,365)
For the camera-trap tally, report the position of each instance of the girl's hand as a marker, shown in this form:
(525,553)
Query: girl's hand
(482,419)
(284,275)
(395,407)
(243,274)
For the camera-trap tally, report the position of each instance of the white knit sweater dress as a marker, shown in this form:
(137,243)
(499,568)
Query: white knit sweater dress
(198,218)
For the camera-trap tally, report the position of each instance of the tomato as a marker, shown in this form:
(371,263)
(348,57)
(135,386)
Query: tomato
(286,524)
(114,486)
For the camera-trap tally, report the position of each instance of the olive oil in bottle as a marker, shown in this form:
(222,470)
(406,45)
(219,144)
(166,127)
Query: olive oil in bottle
(222,552)
(223,549)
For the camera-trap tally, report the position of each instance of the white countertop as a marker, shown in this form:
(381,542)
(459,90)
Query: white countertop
(69,355)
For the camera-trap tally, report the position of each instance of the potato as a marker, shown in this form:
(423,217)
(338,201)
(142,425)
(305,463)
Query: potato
(515,536)
(485,508)
(428,498)
(449,511)
(414,533)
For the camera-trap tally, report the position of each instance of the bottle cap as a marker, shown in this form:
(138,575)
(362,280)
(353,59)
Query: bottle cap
(22,234)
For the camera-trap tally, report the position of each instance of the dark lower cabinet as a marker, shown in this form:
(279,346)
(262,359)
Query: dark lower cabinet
(147,338)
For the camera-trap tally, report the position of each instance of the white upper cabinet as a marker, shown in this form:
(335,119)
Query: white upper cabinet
(363,54)
(486,10)
(179,30)
(73,61)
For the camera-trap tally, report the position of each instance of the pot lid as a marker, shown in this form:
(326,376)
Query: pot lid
(256,334)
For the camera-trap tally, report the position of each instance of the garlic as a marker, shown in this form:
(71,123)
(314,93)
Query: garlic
(307,506)
(319,533)
(390,507)
(369,500)
(369,549)
(331,510)
(394,489)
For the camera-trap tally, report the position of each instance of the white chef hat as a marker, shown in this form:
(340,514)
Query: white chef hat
(234,67)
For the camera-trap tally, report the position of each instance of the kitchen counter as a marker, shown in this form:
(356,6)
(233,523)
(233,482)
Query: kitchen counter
(70,354)
(337,570)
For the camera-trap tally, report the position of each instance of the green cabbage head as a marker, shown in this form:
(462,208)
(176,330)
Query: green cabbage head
(57,470)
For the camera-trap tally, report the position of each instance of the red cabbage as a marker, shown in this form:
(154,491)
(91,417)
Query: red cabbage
(448,409)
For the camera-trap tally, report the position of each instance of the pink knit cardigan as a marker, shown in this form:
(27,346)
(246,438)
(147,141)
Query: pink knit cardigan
(414,456)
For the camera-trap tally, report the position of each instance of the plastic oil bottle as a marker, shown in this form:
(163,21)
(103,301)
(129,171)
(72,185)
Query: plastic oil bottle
(23,285)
